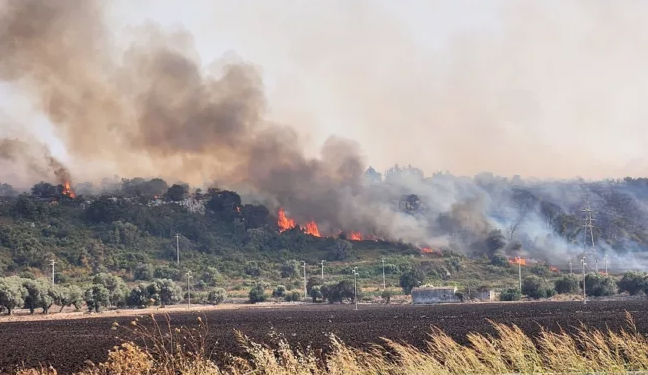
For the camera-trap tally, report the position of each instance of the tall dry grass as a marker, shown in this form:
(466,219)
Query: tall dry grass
(165,350)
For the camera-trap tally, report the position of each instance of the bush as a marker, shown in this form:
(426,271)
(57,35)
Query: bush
(293,296)
(499,261)
(96,297)
(257,294)
(139,297)
(512,294)
(567,285)
(599,285)
(633,282)
(164,292)
(143,271)
(252,269)
(279,291)
(290,269)
(217,296)
(537,287)
(338,292)
(12,293)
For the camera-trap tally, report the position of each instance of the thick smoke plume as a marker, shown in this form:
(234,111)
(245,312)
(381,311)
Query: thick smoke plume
(153,109)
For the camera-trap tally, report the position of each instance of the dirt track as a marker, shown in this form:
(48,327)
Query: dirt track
(67,344)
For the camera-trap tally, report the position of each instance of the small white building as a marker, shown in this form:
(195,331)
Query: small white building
(430,295)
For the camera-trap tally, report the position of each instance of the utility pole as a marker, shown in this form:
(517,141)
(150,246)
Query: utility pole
(355,286)
(583,266)
(305,289)
(52,263)
(570,267)
(188,290)
(177,236)
(520,273)
(322,263)
(605,260)
(383,269)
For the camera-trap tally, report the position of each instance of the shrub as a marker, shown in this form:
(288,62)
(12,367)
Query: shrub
(599,285)
(96,297)
(338,292)
(512,294)
(217,296)
(12,293)
(537,287)
(143,271)
(316,292)
(290,269)
(633,282)
(257,293)
(164,292)
(567,285)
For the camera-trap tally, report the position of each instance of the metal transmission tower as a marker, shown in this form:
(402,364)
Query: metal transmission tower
(588,236)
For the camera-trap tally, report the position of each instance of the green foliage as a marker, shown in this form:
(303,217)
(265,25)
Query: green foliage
(257,293)
(386,296)
(633,282)
(139,296)
(211,276)
(312,281)
(290,269)
(567,285)
(252,269)
(177,192)
(38,295)
(512,294)
(143,271)
(341,249)
(12,293)
(279,291)
(117,289)
(597,285)
(316,293)
(164,292)
(537,287)
(216,296)
(96,297)
(343,290)
(411,279)
(293,296)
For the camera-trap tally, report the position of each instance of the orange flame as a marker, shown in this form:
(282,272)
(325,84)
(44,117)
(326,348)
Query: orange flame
(553,269)
(284,222)
(518,260)
(429,250)
(311,228)
(355,236)
(67,190)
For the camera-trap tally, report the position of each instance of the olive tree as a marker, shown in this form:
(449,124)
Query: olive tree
(12,293)
(96,297)
(164,292)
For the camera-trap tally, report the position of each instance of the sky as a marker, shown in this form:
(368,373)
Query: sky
(552,89)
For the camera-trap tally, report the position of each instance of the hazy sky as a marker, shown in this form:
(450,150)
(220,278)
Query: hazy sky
(544,89)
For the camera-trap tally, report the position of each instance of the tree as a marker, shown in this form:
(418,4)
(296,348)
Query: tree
(217,296)
(139,296)
(279,291)
(599,285)
(177,192)
(164,292)
(512,294)
(633,282)
(211,276)
(118,291)
(339,292)
(341,249)
(293,296)
(257,293)
(143,271)
(316,292)
(566,285)
(38,295)
(44,190)
(312,281)
(290,269)
(386,296)
(71,296)
(96,297)
(411,279)
(12,293)
(537,287)
(252,268)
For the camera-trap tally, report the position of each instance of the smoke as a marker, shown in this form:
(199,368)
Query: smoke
(155,109)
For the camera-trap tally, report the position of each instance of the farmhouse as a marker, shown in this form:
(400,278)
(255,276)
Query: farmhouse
(427,295)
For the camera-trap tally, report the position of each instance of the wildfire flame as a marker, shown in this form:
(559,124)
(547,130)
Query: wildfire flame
(67,190)
(284,222)
(518,260)
(356,236)
(311,228)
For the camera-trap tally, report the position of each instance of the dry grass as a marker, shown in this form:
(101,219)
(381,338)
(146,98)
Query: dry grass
(165,351)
